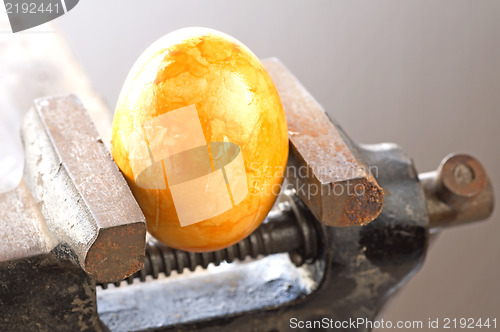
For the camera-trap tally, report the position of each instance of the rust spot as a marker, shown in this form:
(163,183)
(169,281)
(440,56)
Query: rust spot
(117,253)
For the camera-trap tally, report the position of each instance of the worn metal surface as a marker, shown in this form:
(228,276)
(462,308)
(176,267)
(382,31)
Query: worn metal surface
(325,168)
(70,222)
(41,287)
(47,292)
(23,232)
(226,290)
(458,192)
(82,195)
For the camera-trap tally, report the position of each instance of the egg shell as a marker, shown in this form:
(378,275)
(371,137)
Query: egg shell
(235,100)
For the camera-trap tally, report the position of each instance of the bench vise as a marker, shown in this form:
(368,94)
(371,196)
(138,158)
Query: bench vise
(74,239)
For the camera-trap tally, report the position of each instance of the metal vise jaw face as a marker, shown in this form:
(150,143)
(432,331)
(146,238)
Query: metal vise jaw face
(72,212)
(326,168)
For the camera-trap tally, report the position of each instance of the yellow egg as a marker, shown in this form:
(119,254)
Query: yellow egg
(200,135)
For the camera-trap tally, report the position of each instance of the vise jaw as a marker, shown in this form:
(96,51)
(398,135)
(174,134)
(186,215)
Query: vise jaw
(71,221)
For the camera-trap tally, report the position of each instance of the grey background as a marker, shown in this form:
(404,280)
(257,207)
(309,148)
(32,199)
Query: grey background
(423,74)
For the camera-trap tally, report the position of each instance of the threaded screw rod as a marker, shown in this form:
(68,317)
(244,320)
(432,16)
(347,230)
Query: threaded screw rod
(284,230)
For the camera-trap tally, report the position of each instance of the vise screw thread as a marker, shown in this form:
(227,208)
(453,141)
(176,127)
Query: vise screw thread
(285,230)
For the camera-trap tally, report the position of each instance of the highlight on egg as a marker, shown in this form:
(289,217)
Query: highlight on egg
(200,135)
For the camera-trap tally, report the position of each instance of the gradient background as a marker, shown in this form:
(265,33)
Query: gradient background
(424,74)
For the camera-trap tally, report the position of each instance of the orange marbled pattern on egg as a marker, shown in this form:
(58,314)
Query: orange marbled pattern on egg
(236,102)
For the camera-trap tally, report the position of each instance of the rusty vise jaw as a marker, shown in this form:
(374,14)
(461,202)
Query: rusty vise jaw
(72,214)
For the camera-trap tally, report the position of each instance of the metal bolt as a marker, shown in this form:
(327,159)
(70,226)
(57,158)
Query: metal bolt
(458,192)
(460,178)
